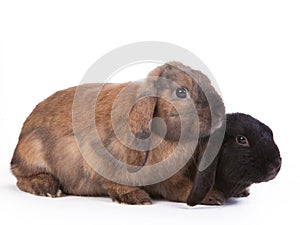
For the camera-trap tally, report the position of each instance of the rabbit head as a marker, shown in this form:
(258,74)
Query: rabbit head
(248,155)
(176,94)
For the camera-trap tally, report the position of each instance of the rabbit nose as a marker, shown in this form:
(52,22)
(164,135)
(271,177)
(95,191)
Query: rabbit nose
(274,168)
(278,163)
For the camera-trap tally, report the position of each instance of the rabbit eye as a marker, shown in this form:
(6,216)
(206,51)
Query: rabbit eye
(242,140)
(181,92)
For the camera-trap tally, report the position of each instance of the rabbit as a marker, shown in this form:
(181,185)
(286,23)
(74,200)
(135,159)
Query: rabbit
(248,155)
(59,152)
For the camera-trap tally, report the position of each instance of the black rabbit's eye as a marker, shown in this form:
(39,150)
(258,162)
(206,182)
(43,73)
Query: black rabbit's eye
(242,140)
(181,92)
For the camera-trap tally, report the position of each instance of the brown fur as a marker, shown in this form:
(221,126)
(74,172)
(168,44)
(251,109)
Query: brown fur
(48,157)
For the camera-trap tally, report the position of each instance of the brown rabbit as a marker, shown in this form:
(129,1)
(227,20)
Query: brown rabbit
(78,140)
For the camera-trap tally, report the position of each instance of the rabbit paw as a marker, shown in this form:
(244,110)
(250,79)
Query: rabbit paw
(136,197)
(214,198)
(243,193)
(59,193)
(42,184)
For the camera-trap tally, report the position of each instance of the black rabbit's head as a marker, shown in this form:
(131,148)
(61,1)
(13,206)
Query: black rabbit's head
(248,155)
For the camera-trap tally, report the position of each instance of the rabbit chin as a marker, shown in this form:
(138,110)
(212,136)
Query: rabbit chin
(247,179)
(267,177)
(236,188)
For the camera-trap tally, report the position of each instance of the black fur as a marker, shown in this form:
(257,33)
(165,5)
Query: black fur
(239,166)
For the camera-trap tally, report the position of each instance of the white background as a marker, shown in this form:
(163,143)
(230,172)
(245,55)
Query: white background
(251,47)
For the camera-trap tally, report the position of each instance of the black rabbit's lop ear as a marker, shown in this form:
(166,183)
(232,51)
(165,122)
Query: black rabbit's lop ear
(207,167)
(203,184)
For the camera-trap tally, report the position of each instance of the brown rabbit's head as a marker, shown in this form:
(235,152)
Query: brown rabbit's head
(183,99)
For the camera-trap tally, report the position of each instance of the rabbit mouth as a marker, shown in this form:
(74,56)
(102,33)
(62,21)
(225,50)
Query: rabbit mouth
(272,173)
(267,177)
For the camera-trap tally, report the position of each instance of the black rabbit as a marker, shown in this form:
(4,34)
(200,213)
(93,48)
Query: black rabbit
(248,155)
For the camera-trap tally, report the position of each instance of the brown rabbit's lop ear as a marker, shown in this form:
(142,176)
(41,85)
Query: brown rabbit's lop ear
(141,115)
(142,112)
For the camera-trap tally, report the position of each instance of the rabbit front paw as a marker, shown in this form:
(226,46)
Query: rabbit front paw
(214,197)
(243,193)
(131,197)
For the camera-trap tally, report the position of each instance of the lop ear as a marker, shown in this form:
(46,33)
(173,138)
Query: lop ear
(206,169)
(203,183)
(140,118)
(140,121)
(142,112)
